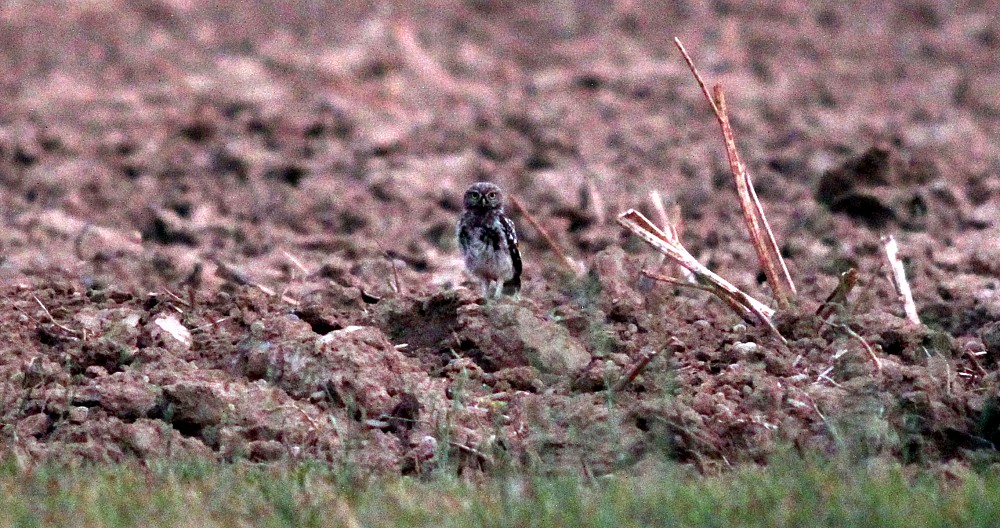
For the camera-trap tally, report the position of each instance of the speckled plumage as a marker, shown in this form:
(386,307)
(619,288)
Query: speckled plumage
(488,241)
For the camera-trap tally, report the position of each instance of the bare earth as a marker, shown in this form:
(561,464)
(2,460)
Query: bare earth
(230,234)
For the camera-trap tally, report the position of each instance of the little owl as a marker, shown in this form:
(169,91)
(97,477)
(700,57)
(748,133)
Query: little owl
(488,241)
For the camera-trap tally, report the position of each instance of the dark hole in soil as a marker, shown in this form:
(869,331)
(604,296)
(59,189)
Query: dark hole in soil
(423,325)
(290,174)
(164,234)
(893,343)
(538,161)
(317,322)
(197,132)
(183,209)
(642,424)
(226,163)
(404,415)
(589,81)
(917,207)
(22,157)
(865,209)
(188,429)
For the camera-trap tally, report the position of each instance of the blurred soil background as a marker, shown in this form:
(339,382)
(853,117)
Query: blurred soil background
(227,231)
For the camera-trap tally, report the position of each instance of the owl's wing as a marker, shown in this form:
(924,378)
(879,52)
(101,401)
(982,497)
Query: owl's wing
(514,284)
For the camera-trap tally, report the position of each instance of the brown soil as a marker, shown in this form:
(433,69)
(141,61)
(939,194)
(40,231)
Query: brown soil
(229,234)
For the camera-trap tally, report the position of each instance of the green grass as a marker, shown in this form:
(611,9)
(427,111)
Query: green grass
(786,493)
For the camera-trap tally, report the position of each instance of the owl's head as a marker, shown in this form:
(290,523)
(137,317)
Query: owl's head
(483,196)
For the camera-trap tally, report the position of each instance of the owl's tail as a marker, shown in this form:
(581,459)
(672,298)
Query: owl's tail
(513,286)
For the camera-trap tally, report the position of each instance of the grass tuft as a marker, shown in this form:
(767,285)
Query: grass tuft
(791,491)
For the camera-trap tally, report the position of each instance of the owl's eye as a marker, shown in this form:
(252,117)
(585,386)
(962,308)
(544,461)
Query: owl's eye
(492,195)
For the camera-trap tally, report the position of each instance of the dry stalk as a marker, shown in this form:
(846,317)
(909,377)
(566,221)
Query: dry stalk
(838,297)
(212,324)
(976,363)
(296,262)
(596,201)
(53,319)
(472,451)
(397,286)
(857,337)
(661,211)
(663,242)
(671,222)
(233,274)
(635,369)
(176,297)
(570,264)
(753,213)
(867,346)
(899,280)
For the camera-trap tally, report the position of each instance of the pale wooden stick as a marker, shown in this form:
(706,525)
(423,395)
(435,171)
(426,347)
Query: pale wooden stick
(596,202)
(753,213)
(661,211)
(899,280)
(671,226)
(639,225)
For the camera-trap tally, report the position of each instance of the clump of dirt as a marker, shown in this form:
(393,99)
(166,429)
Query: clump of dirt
(233,237)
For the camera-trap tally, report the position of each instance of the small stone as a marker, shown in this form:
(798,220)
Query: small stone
(78,414)
(95,371)
(166,331)
(197,402)
(34,425)
(745,348)
(144,437)
(266,450)
(426,448)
